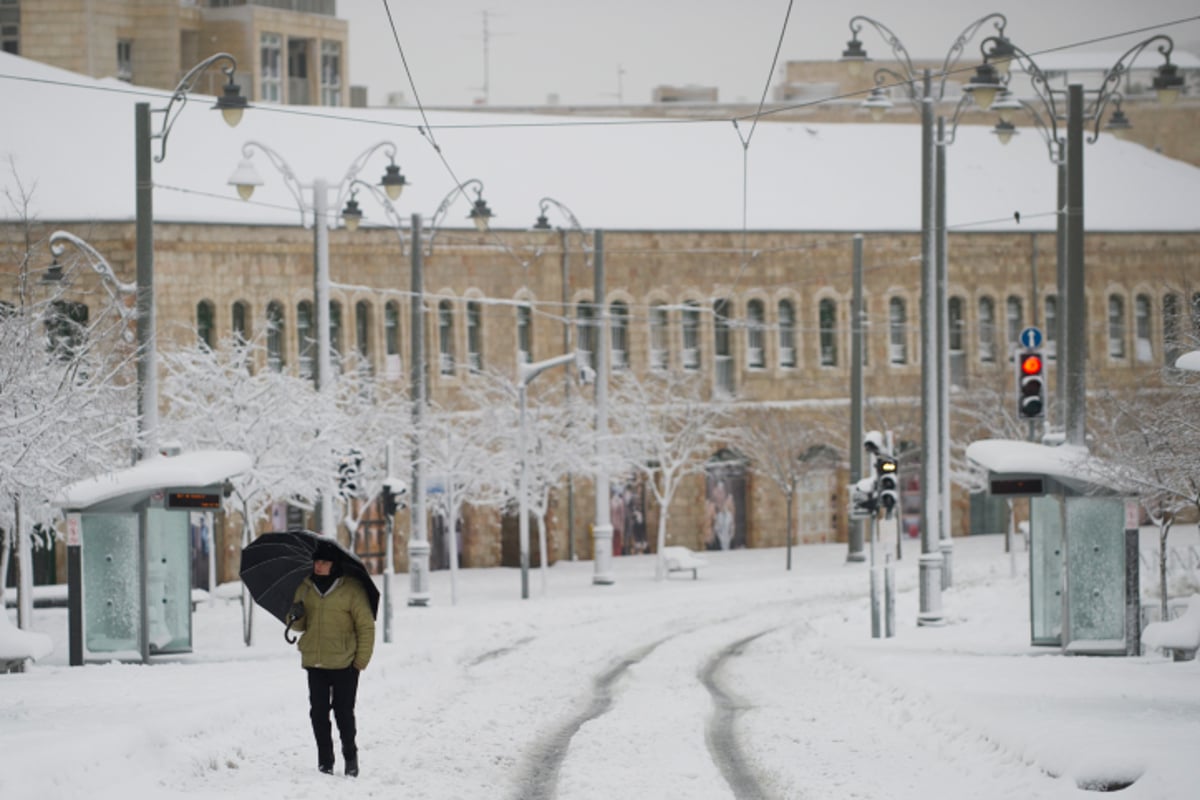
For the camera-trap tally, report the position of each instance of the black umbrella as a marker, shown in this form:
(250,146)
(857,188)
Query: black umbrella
(275,564)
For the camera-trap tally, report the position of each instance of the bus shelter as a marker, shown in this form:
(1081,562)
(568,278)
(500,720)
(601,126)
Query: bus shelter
(1083,544)
(129,570)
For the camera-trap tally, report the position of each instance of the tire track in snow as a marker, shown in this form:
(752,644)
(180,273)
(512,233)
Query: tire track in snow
(727,752)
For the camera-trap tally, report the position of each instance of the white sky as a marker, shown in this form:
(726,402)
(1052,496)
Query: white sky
(482,698)
(574,48)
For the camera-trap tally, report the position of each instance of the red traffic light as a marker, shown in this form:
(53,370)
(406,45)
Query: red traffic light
(1031,364)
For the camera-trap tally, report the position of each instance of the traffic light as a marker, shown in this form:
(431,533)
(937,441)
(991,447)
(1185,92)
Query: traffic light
(889,495)
(1031,386)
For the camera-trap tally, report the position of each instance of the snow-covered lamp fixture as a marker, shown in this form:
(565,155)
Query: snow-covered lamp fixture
(1004,131)
(1168,83)
(393,182)
(878,103)
(352,215)
(984,85)
(1118,124)
(480,214)
(231,103)
(855,56)
(1001,55)
(53,273)
(245,178)
(1005,104)
(543,222)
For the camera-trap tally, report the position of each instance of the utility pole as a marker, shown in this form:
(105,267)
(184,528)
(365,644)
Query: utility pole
(855,534)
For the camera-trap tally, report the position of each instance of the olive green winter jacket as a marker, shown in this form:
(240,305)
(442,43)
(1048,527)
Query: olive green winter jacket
(338,629)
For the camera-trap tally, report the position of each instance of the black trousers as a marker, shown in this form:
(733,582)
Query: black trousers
(333,689)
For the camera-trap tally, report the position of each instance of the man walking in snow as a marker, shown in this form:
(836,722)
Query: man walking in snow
(338,635)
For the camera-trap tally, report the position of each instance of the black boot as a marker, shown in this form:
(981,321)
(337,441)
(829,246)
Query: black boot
(326,768)
(352,767)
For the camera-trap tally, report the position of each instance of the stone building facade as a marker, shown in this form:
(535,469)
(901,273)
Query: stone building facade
(764,316)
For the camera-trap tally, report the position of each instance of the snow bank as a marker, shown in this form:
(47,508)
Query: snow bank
(1182,633)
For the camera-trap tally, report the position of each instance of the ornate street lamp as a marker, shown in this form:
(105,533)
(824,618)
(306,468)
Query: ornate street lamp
(231,104)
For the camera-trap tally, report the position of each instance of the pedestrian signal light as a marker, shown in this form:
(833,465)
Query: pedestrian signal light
(889,494)
(1031,386)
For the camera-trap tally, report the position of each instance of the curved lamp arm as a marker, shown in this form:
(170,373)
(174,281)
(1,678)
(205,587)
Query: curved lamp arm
(544,224)
(1001,45)
(289,177)
(444,206)
(1037,79)
(231,102)
(952,122)
(112,284)
(352,209)
(356,166)
(890,39)
(1120,70)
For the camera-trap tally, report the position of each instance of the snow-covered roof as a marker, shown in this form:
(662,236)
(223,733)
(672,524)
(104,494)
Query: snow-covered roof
(70,140)
(195,469)
(1070,465)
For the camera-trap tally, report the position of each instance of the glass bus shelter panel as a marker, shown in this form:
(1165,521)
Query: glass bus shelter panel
(1096,569)
(168,581)
(1046,575)
(111,584)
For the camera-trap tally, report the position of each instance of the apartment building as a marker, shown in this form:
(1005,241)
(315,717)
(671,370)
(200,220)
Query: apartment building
(294,52)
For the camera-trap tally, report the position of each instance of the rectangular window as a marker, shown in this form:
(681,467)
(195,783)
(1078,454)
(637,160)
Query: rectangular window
(987,330)
(304,338)
(1116,327)
(270,79)
(125,60)
(691,336)
(1172,328)
(393,364)
(524,334)
(756,357)
(827,320)
(619,324)
(1051,326)
(898,336)
(445,338)
(474,337)
(722,352)
(585,332)
(787,334)
(331,73)
(660,343)
(1143,347)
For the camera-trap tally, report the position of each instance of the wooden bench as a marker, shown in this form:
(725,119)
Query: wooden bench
(681,559)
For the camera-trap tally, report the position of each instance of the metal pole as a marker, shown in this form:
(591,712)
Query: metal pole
(522,500)
(1076,350)
(875,616)
(566,348)
(418,542)
(945,540)
(855,534)
(930,564)
(1060,278)
(389,565)
(323,369)
(602,531)
(147,369)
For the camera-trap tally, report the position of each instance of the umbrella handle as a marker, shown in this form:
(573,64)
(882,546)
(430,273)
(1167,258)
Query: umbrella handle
(289,639)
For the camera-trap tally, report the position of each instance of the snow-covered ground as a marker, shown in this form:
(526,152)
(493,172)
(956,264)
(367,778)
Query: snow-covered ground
(749,682)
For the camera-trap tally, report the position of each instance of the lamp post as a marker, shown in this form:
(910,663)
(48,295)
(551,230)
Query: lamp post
(418,540)
(543,224)
(525,375)
(231,104)
(935,532)
(245,178)
(1073,108)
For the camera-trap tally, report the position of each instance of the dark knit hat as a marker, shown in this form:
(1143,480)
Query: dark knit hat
(326,551)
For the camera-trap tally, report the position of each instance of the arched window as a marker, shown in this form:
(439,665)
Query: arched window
(362,335)
(445,338)
(1015,317)
(722,351)
(827,324)
(897,331)
(660,340)
(987,329)
(1172,327)
(393,361)
(1143,345)
(619,324)
(1116,326)
(240,322)
(524,333)
(205,323)
(275,336)
(474,336)
(756,323)
(306,344)
(787,334)
(335,334)
(954,321)
(691,335)
(585,331)
(1051,343)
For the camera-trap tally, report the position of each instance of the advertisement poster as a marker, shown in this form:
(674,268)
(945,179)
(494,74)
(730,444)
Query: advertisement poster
(725,504)
(200,528)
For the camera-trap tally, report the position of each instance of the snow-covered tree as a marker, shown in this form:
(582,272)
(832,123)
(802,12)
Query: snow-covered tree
(67,394)
(664,426)
(784,450)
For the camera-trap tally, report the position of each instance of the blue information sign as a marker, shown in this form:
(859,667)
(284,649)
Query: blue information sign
(1031,338)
